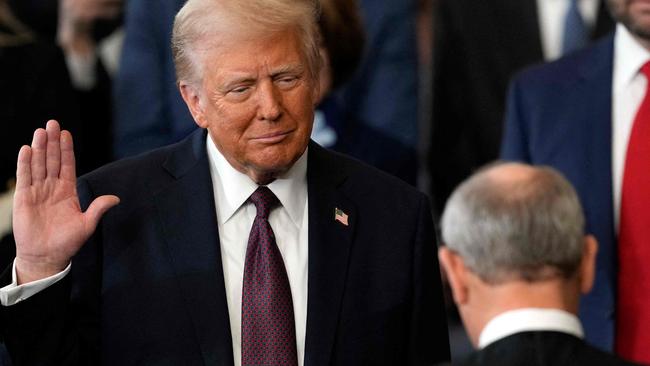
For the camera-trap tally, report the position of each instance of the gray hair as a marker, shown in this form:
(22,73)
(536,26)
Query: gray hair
(208,21)
(513,221)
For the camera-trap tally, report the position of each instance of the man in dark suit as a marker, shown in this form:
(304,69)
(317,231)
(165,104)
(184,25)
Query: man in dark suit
(478,48)
(244,244)
(576,115)
(517,259)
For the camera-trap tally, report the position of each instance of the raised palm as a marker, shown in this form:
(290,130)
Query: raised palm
(49,226)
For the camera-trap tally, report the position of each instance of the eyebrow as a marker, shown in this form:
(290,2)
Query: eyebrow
(288,69)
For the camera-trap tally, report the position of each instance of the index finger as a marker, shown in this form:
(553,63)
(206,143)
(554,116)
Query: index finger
(24,168)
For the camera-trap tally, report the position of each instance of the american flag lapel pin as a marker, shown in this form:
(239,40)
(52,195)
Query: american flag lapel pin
(340,216)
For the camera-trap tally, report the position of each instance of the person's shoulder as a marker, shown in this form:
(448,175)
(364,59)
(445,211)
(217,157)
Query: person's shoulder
(146,170)
(566,69)
(546,347)
(596,357)
(360,176)
(140,164)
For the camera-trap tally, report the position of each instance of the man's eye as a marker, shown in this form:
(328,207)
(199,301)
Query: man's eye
(239,90)
(288,80)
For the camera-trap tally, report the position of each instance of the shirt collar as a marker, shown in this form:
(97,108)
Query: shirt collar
(529,319)
(232,187)
(629,56)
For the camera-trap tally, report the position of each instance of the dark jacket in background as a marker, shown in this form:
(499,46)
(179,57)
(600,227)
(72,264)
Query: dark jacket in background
(542,349)
(479,46)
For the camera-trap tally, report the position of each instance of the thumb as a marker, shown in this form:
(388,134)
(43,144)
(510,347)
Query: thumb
(97,209)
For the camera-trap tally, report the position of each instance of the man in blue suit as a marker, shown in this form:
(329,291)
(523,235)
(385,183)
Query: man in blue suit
(244,244)
(576,115)
(149,113)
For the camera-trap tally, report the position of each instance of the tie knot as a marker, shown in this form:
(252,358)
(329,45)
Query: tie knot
(264,201)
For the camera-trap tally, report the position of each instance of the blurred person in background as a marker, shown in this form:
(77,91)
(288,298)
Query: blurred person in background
(48,70)
(67,69)
(342,48)
(148,110)
(517,258)
(45,72)
(381,100)
(479,45)
(587,115)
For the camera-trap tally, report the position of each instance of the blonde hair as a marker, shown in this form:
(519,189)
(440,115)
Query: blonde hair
(210,20)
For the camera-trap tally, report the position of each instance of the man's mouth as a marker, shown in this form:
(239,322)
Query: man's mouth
(273,137)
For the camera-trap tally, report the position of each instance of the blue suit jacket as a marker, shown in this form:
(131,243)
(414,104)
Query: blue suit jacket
(559,114)
(149,110)
(148,288)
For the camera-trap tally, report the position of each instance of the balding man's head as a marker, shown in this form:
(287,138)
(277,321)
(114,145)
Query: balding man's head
(514,221)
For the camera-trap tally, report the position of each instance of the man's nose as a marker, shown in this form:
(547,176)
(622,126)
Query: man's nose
(269,102)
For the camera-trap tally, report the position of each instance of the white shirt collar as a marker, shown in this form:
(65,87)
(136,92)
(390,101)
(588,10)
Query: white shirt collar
(232,188)
(629,56)
(529,319)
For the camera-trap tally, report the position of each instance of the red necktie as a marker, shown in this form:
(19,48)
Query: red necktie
(267,326)
(633,300)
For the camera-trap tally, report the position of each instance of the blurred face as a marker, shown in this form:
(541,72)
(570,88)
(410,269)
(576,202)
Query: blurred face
(634,14)
(257,100)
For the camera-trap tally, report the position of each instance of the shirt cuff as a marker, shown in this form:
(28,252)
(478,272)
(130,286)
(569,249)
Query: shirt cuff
(13,294)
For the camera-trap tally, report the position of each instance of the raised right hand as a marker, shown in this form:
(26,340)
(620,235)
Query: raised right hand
(48,224)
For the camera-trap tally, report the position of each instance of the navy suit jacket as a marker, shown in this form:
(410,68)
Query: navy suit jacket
(148,288)
(559,114)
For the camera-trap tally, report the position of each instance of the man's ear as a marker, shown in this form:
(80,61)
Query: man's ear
(322,78)
(456,272)
(588,264)
(192,97)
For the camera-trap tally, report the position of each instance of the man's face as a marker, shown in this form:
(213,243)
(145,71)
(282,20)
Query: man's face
(634,14)
(257,101)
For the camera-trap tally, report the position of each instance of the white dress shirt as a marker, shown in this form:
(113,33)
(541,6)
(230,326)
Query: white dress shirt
(628,90)
(551,15)
(235,216)
(526,320)
(289,222)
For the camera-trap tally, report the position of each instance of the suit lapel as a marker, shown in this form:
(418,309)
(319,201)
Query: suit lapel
(329,247)
(188,219)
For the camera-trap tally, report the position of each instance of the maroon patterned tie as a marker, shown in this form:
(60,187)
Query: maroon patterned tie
(268,334)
